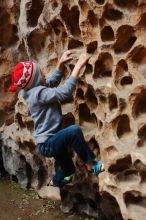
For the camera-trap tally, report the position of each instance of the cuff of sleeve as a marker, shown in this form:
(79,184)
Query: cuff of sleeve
(72,79)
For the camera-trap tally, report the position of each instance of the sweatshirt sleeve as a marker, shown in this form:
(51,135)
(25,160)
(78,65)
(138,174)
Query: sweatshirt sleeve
(54,79)
(61,93)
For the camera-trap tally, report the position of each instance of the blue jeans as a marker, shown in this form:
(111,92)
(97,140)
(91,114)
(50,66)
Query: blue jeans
(56,146)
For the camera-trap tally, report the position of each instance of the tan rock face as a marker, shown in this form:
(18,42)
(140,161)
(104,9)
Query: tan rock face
(109,102)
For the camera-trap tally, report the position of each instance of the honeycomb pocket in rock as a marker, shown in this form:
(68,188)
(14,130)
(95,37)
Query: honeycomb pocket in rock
(107,34)
(92,47)
(138,55)
(135,203)
(34,9)
(85,115)
(123,126)
(142,22)
(111,13)
(129,4)
(100,2)
(90,98)
(139,105)
(123,44)
(113,102)
(71,19)
(126,80)
(121,165)
(72,44)
(103,66)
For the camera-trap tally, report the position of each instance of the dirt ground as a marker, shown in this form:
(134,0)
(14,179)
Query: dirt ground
(17,204)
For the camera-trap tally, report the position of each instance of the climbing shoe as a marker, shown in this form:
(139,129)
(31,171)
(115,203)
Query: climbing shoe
(97,168)
(67,180)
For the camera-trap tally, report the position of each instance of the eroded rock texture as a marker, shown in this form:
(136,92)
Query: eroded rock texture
(109,102)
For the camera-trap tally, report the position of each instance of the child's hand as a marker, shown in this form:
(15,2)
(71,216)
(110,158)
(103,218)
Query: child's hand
(67,55)
(80,63)
(82,60)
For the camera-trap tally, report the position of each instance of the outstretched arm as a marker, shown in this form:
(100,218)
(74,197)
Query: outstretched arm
(55,78)
(63,92)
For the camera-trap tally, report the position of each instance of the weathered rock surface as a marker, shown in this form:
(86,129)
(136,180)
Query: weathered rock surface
(109,102)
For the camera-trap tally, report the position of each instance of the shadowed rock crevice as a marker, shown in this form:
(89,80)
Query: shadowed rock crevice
(103,66)
(107,34)
(34,9)
(123,44)
(121,165)
(129,4)
(112,14)
(71,18)
(113,102)
(139,106)
(123,126)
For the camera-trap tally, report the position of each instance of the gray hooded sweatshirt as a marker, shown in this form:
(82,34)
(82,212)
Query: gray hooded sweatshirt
(44,103)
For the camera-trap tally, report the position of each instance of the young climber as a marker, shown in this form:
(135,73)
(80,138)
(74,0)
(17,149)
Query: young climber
(44,98)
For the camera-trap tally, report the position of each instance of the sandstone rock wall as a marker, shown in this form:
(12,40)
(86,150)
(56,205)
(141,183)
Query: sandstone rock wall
(109,102)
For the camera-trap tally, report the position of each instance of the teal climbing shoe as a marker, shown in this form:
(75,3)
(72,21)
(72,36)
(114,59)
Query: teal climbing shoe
(97,168)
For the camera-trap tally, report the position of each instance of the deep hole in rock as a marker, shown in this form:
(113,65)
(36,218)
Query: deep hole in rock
(129,176)
(122,104)
(34,9)
(103,66)
(139,106)
(142,133)
(71,18)
(84,114)
(122,64)
(127,3)
(142,22)
(94,118)
(68,119)
(14,38)
(30,145)
(100,2)
(123,126)
(92,47)
(93,144)
(58,27)
(19,120)
(92,18)
(5,27)
(124,44)
(121,68)
(36,41)
(14,178)
(74,44)
(80,93)
(134,197)
(8,31)
(113,103)
(54,4)
(141,168)
(127,80)
(112,14)
(110,206)
(89,69)
(29,173)
(29,125)
(100,124)
(42,176)
(121,165)
(3,117)
(107,34)
(91,98)
(138,54)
